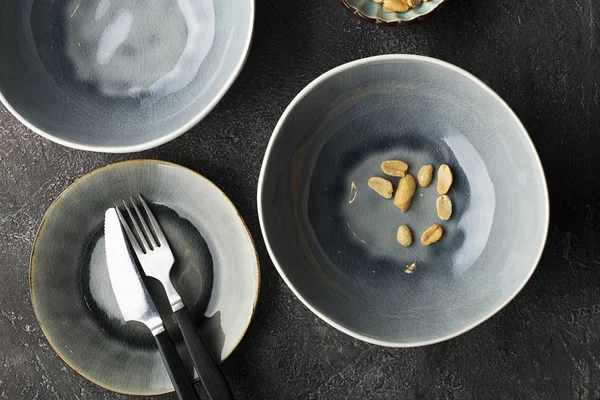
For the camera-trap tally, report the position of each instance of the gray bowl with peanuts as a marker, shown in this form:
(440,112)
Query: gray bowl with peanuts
(402,200)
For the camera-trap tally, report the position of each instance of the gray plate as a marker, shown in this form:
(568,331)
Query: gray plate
(216,272)
(333,239)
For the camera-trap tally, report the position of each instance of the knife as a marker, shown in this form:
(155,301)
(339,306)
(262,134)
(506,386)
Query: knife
(136,304)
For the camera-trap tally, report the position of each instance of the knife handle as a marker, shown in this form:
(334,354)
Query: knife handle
(183,385)
(210,374)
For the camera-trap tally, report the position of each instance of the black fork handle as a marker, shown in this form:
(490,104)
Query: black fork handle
(210,374)
(182,383)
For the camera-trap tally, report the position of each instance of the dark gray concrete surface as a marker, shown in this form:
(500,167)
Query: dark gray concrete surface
(541,56)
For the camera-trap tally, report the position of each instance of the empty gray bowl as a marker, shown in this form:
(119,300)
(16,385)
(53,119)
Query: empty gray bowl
(119,76)
(333,239)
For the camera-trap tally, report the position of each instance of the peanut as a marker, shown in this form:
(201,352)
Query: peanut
(383,187)
(404,236)
(444,207)
(432,235)
(425,175)
(444,179)
(395,6)
(410,268)
(405,192)
(399,5)
(394,168)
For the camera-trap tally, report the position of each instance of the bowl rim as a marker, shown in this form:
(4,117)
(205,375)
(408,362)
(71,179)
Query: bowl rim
(163,139)
(149,161)
(277,131)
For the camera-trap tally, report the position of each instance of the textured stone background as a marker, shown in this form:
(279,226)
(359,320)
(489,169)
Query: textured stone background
(541,56)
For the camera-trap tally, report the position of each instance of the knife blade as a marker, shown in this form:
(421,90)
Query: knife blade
(131,294)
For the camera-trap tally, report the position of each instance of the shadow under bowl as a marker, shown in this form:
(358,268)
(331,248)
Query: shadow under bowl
(333,239)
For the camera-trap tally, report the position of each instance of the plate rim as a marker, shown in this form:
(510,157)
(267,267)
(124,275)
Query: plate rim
(399,57)
(55,202)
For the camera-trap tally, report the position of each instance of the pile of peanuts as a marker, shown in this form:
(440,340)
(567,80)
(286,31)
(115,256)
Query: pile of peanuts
(399,5)
(404,195)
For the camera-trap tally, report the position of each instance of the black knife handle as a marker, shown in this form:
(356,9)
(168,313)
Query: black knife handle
(210,374)
(182,383)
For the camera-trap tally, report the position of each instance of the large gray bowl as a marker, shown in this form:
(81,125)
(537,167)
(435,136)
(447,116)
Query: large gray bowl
(333,239)
(119,76)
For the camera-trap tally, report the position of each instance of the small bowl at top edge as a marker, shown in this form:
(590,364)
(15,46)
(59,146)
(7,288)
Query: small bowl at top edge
(371,11)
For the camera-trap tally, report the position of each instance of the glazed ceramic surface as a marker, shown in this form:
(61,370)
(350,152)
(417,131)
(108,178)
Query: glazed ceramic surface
(216,272)
(372,11)
(333,239)
(119,76)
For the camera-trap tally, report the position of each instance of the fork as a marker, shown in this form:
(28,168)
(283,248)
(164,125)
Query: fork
(156,259)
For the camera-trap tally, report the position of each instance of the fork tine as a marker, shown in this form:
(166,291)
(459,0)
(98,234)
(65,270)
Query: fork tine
(144,226)
(141,238)
(132,240)
(162,240)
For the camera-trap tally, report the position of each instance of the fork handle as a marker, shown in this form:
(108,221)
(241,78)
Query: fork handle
(183,385)
(210,374)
